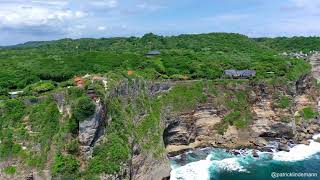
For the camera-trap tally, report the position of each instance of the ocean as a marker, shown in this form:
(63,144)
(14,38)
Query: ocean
(302,162)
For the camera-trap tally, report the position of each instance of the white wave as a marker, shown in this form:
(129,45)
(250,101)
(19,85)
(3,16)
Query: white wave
(229,164)
(299,152)
(192,171)
(316,136)
(200,169)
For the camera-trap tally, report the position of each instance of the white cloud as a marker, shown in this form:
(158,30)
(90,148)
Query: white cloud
(149,6)
(305,6)
(101,28)
(104,3)
(15,16)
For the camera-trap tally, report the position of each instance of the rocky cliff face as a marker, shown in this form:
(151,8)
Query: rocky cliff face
(91,129)
(198,128)
(142,165)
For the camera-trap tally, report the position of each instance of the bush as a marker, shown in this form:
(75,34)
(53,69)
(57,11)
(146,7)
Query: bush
(233,116)
(109,156)
(283,102)
(222,127)
(10,170)
(307,113)
(72,147)
(84,108)
(41,87)
(65,165)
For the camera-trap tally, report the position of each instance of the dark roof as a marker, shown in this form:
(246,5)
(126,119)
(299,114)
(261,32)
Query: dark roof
(241,73)
(153,53)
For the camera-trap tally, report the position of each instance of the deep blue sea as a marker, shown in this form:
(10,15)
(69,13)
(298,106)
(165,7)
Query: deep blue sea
(219,164)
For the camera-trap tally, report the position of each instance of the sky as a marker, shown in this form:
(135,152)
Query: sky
(39,20)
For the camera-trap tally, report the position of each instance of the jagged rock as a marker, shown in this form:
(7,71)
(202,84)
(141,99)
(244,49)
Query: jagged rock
(279,130)
(303,135)
(305,142)
(261,142)
(311,131)
(29,177)
(283,147)
(255,154)
(158,88)
(59,97)
(136,149)
(308,136)
(146,167)
(283,141)
(92,128)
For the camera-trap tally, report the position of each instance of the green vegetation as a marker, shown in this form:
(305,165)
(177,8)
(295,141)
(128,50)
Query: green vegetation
(282,101)
(11,115)
(65,167)
(40,87)
(294,44)
(109,156)
(38,135)
(241,113)
(10,170)
(115,151)
(185,56)
(84,108)
(185,97)
(44,123)
(307,113)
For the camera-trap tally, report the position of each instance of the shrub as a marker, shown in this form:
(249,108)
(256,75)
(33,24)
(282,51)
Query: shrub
(222,128)
(307,113)
(72,147)
(233,116)
(283,102)
(65,165)
(10,170)
(84,108)
(108,157)
(73,125)
(44,86)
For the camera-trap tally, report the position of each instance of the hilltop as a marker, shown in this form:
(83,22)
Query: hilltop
(203,56)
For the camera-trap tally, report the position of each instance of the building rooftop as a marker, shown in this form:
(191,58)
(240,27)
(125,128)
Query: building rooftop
(153,53)
(240,73)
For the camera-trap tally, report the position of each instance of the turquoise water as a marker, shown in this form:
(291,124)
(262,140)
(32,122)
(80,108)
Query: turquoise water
(218,164)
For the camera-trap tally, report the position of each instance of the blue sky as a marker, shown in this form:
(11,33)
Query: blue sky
(34,20)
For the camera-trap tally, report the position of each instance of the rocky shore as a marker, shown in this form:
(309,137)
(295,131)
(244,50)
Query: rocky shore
(197,129)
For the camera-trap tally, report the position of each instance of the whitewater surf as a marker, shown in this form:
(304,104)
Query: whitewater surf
(222,164)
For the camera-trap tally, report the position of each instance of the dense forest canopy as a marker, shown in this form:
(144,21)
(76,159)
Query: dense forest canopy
(293,44)
(203,56)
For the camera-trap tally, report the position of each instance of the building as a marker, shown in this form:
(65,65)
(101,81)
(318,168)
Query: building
(91,93)
(79,82)
(15,94)
(240,73)
(153,53)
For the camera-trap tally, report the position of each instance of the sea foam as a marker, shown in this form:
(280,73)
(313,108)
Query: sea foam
(227,162)
(299,152)
(200,169)
(192,171)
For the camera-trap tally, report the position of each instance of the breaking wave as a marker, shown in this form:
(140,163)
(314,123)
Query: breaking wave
(220,161)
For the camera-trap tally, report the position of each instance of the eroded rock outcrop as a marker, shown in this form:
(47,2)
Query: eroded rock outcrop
(91,129)
(190,130)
